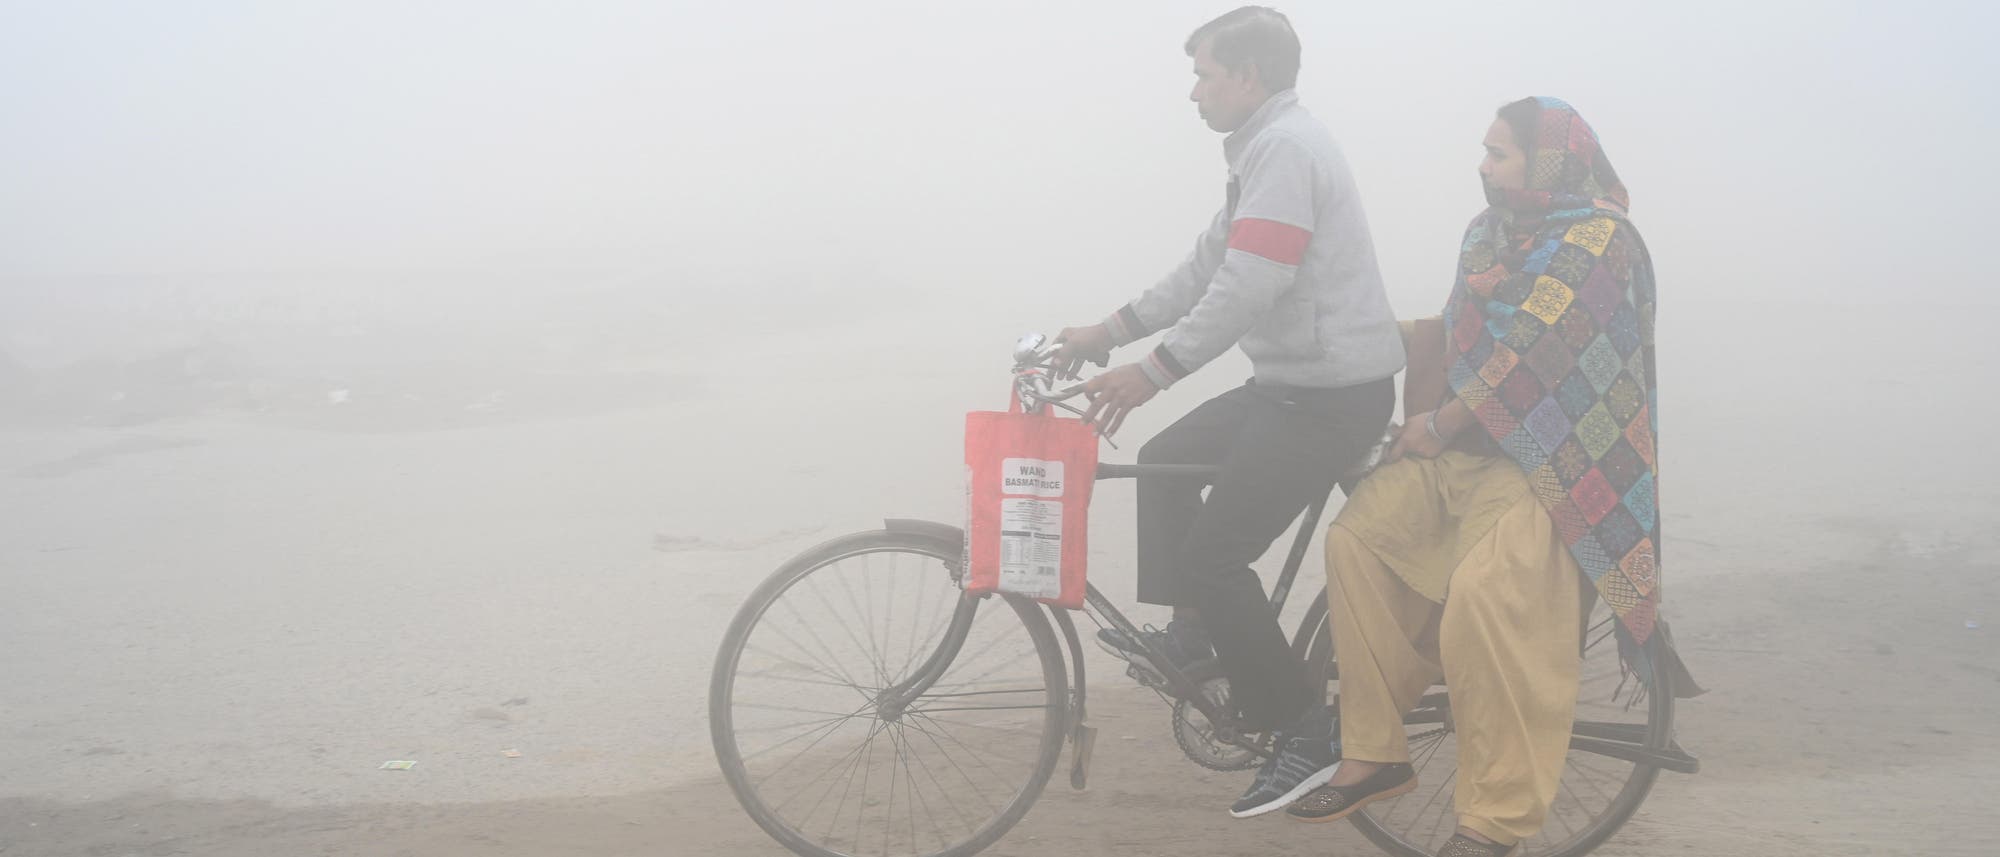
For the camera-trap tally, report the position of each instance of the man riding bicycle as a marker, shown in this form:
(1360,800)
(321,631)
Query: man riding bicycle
(1287,271)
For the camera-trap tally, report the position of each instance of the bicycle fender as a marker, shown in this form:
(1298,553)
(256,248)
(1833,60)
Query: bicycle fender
(931,529)
(1083,736)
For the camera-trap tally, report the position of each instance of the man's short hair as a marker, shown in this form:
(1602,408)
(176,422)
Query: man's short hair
(1254,34)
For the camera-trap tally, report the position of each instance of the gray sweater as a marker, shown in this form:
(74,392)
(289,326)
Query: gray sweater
(1287,269)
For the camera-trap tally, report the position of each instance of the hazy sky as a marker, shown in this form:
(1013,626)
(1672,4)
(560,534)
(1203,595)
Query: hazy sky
(1827,150)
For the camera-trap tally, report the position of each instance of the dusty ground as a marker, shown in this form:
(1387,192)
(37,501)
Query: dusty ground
(214,629)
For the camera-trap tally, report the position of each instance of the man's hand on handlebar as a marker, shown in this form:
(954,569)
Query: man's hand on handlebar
(1114,394)
(1076,345)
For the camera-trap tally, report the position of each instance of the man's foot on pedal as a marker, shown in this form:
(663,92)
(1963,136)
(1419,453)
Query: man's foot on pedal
(1182,643)
(1306,757)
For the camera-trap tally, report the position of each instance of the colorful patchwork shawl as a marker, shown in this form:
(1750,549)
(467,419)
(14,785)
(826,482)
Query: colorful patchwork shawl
(1550,330)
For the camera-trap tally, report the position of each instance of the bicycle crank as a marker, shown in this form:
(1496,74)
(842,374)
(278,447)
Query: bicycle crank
(1217,749)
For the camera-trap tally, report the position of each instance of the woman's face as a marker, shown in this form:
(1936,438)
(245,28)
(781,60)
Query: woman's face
(1505,166)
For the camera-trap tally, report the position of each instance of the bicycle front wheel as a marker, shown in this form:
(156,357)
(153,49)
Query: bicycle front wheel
(863,705)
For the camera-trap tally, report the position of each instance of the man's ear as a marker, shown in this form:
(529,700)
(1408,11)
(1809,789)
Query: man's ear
(1252,77)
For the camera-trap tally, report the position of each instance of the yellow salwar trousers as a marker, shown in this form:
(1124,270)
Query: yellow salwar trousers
(1504,638)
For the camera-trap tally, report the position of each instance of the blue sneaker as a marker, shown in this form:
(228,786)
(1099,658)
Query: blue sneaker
(1307,755)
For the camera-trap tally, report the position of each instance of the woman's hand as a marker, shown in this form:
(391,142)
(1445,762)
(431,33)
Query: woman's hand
(1415,439)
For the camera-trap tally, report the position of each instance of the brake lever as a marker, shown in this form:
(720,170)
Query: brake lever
(1056,399)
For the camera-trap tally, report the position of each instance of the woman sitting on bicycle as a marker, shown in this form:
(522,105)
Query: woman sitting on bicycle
(1468,554)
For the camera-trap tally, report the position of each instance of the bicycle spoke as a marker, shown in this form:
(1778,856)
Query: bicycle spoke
(939,625)
(941,617)
(899,765)
(832,726)
(794,725)
(867,625)
(917,621)
(830,670)
(1023,731)
(1003,664)
(977,754)
(1563,787)
(889,625)
(809,783)
(1592,782)
(1428,750)
(1427,806)
(784,661)
(808,627)
(814,810)
(903,754)
(909,796)
(975,751)
(828,681)
(954,763)
(768,707)
(852,768)
(941,790)
(986,650)
(815,586)
(929,709)
(860,806)
(985,692)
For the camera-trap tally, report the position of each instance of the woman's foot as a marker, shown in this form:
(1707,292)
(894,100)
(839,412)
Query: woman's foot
(1335,800)
(1354,770)
(1466,843)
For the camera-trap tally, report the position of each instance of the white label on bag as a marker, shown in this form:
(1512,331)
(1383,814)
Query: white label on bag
(1031,476)
(1031,547)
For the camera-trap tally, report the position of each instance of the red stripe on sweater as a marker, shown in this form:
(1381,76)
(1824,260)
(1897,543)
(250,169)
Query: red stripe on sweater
(1279,242)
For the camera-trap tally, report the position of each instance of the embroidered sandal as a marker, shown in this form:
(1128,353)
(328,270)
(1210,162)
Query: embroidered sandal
(1333,803)
(1461,845)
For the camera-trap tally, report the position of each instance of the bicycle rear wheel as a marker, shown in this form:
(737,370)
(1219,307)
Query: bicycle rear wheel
(862,705)
(1598,792)
(1602,784)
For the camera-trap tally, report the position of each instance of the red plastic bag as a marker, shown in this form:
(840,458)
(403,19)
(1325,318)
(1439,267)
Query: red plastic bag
(1027,494)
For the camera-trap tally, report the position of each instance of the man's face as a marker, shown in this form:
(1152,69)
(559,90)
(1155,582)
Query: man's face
(1225,98)
(1505,166)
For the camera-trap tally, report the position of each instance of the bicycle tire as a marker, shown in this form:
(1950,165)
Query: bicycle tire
(721,716)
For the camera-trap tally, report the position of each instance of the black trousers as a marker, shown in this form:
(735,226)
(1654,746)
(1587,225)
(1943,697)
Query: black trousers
(1276,449)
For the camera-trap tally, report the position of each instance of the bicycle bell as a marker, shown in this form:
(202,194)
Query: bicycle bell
(1028,349)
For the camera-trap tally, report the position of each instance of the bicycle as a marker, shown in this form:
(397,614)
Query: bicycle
(996,684)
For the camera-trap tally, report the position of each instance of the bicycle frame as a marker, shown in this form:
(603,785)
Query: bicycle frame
(1178,684)
(894,698)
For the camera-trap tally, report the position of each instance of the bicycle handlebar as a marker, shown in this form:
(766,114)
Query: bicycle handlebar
(1032,377)
(1032,381)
